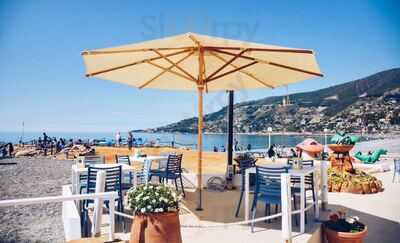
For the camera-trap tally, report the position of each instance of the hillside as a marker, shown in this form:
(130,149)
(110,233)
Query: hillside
(370,104)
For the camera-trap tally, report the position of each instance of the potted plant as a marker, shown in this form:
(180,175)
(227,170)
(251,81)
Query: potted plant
(342,229)
(156,210)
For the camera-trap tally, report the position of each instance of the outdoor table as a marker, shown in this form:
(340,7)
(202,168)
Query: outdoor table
(157,158)
(300,173)
(78,170)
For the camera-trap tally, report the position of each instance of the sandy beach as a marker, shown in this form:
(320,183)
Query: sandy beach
(27,179)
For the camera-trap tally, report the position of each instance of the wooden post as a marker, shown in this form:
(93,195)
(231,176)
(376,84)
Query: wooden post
(200,89)
(98,203)
(286,208)
(200,148)
(229,174)
(112,220)
(324,186)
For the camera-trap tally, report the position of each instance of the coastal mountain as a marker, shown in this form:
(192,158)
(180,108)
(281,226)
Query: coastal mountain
(369,104)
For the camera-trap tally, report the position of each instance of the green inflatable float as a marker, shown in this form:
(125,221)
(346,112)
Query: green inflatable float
(370,158)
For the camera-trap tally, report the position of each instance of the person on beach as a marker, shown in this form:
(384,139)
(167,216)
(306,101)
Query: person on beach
(215,149)
(130,140)
(118,139)
(248,147)
(45,142)
(39,143)
(223,148)
(271,151)
(236,146)
(294,154)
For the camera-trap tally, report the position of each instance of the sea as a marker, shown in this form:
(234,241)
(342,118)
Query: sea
(184,140)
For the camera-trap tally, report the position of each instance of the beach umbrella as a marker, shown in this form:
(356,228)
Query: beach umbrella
(201,63)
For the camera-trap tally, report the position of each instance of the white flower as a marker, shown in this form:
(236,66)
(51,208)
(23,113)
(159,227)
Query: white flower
(160,210)
(143,210)
(350,220)
(149,206)
(153,201)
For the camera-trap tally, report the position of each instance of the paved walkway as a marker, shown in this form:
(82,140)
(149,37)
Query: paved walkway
(381,211)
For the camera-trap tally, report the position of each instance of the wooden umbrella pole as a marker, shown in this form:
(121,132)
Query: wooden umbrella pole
(200,148)
(200,89)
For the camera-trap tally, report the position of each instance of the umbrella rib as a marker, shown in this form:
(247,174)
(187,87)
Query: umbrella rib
(272,63)
(133,50)
(232,71)
(262,49)
(174,64)
(226,64)
(134,63)
(168,70)
(197,42)
(243,71)
(165,70)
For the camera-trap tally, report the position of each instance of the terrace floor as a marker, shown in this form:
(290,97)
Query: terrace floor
(379,211)
(219,208)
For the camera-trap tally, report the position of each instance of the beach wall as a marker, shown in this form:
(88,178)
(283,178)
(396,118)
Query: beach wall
(213,162)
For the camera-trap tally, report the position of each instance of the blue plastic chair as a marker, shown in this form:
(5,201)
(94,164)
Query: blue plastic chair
(245,164)
(124,159)
(308,181)
(173,171)
(90,160)
(144,175)
(112,183)
(268,188)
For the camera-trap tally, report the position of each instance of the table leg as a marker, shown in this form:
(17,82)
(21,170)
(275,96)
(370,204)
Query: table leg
(302,204)
(246,195)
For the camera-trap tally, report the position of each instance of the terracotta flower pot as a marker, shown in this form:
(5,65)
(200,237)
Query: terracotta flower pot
(330,186)
(340,148)
(345,187)
(336,186)
(345,237)
(356,188)
(156,228)
(366,187)
(379,185)
(373,187)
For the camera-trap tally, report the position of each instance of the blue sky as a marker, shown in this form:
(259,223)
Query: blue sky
(42,74)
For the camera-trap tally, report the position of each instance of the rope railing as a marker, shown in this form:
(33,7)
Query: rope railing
(216,225)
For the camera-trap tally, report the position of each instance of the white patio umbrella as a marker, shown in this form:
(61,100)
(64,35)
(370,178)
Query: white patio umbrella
(193,62)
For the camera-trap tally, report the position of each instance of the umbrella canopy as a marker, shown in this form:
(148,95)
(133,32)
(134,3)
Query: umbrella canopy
(310,145)
(169,63)
(198,62)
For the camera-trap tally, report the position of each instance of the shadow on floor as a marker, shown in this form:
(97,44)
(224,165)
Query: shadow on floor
(379,229)
(220,207)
